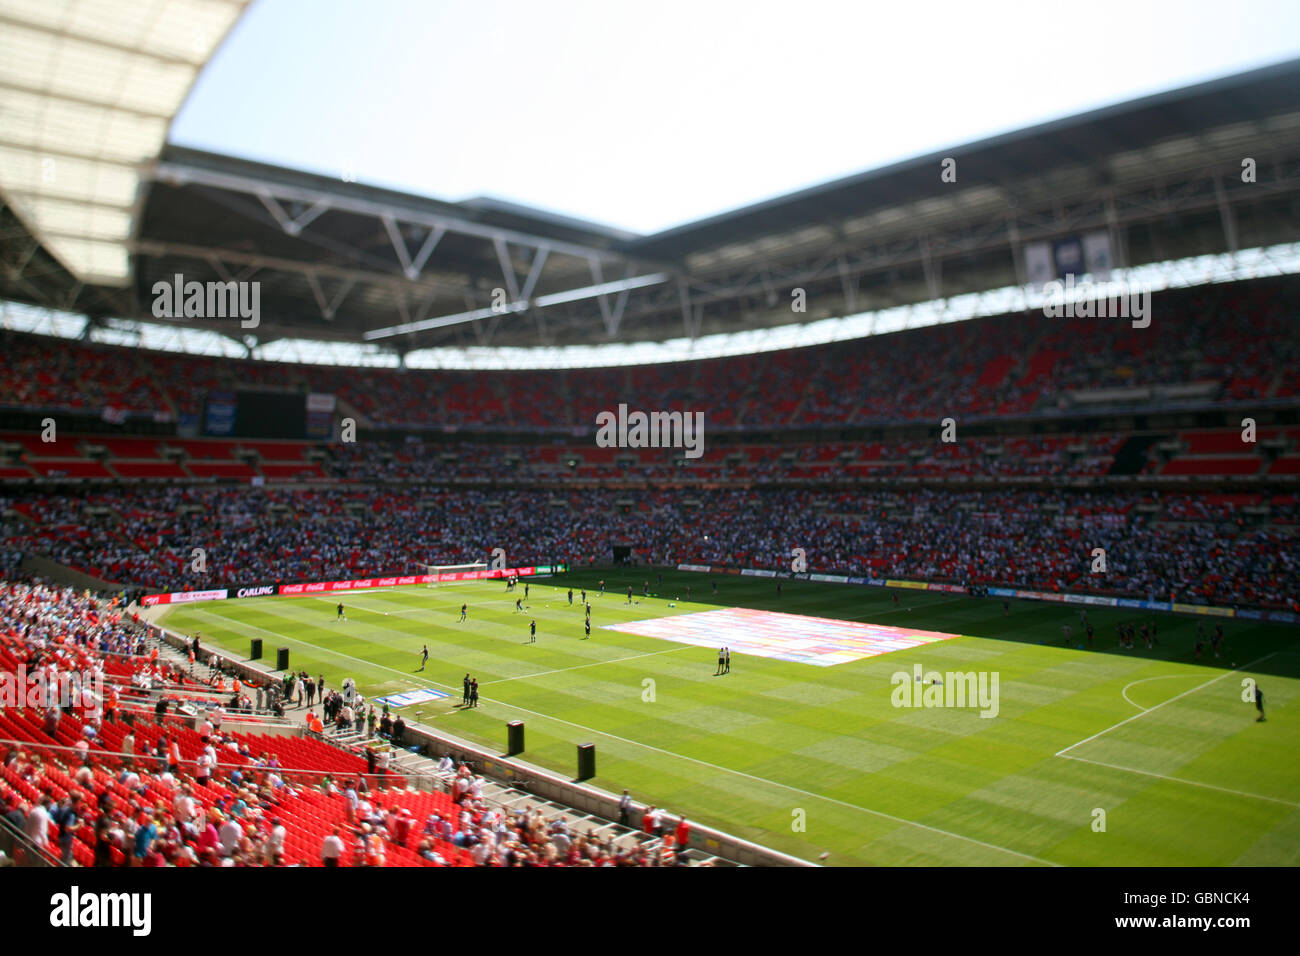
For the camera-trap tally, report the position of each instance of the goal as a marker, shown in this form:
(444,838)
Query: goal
(438,570)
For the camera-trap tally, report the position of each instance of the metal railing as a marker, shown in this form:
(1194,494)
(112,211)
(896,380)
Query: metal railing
(17,850)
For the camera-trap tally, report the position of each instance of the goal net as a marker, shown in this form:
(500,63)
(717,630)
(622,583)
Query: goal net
(436,571)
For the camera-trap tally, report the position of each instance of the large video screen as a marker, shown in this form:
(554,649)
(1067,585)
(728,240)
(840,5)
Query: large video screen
(245,414)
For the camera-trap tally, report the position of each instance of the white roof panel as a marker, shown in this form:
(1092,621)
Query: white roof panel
(88,89)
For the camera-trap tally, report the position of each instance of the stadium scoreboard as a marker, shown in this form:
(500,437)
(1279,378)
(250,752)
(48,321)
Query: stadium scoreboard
(268,414)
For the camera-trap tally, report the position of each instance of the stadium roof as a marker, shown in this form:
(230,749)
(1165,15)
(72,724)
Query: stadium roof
(88,89)
(342,262)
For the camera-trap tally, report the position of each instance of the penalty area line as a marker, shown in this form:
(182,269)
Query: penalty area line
(1183,780)
(1143,680)
(1149,710)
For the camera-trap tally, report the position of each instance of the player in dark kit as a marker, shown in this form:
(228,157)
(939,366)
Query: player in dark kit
(1259,703)
(464,698)
(519,605)
(424,657)
(1089,634)
(464,608)
(587,627)
(629,594)
(570,597)
(532,632)
(341,616)
(525,589)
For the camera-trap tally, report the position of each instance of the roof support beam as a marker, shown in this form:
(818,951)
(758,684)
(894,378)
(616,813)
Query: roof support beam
(309,215)
(598,277)
(180,174)
(18,268)
(426,249)
(292,225)
(1118,237)
(1017,252)
(1227,215)
(507,267)
(849,283)
(534,272)
(229,256)
(620,308)
(329,308)
(692,313)
(411,267)
(519,305)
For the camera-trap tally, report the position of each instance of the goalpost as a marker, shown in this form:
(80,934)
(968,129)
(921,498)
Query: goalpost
(440,569)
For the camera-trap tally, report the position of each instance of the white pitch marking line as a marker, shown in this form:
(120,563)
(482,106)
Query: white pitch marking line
(669,753)
(1192,783)
(411,610)
(1212,680)
(1124,692)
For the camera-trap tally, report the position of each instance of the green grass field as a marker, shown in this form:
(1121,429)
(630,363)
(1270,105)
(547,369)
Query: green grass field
(809,759)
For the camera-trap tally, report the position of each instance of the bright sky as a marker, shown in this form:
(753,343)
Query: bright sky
(645,116)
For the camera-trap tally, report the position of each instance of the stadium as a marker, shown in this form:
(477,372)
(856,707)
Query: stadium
(941,515)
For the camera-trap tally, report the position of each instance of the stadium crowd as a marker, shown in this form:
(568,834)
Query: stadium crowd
(99,780)
(1202,549)
(1239,338)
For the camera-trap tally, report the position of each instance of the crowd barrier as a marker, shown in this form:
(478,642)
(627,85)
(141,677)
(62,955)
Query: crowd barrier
(356,584)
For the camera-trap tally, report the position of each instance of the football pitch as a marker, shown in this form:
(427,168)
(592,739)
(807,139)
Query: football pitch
(1086,757)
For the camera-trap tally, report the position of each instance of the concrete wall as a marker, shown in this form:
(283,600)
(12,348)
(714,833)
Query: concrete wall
(38,566)
(551,786)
